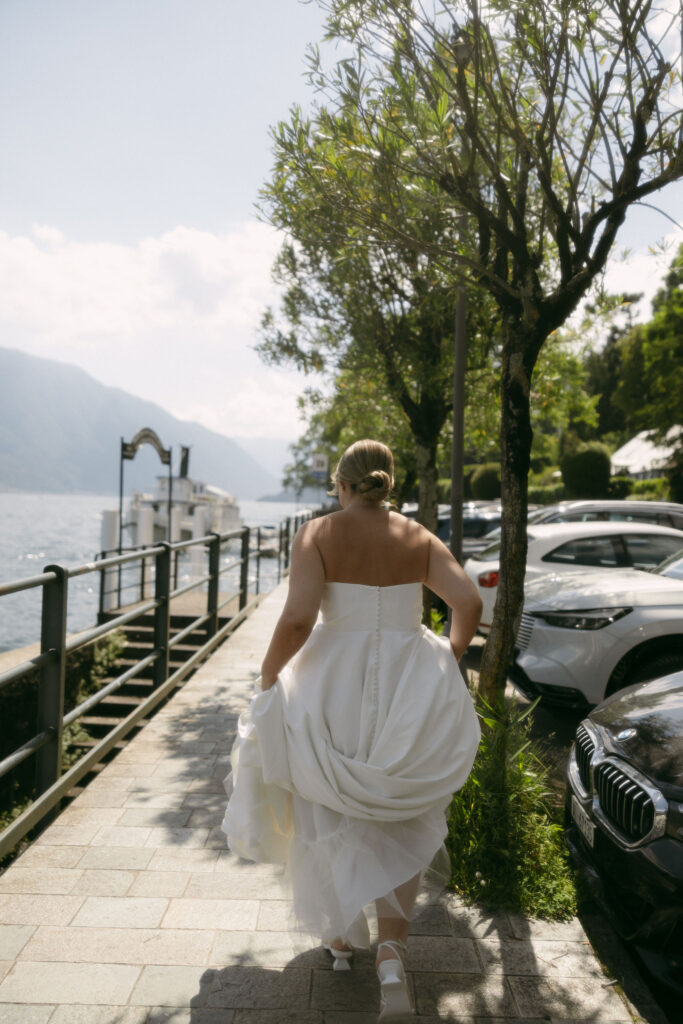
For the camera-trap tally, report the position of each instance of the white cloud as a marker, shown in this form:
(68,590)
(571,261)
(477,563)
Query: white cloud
(643,270)
(172,319)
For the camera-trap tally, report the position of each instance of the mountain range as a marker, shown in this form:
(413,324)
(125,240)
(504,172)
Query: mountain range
(60,432)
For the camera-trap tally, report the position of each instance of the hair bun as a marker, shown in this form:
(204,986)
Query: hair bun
(375,485)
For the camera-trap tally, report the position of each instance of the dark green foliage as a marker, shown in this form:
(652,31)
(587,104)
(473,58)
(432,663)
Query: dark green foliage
(506,845)
(654,489)
(546,495)
(86,670)
(485,482)
(620,487)
(586,471)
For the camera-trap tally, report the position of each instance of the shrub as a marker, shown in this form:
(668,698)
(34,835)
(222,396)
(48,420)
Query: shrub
(86,670)
(586,470)
(655,489)
(506,844)
(546,495)
(620,487)
(443,488)
(486,482)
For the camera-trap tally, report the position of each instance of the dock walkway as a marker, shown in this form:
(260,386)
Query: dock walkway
(129,909)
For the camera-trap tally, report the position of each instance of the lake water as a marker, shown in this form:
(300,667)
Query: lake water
(64,529)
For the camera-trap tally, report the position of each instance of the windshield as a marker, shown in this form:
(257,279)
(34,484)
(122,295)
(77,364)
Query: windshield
(672,566)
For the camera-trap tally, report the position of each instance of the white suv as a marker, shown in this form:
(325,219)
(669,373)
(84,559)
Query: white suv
(585,635)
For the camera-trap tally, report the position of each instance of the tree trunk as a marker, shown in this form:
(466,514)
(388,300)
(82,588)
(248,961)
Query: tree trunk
(427,477)
(427,506)
(515,448)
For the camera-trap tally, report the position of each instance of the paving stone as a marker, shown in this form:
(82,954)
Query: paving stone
(102,797)
(172,986)
(274,916)
(160,883)
(67,835)
(183,1015)
(216,839)
(475,922)
(203,817)
(103,882)
(464,995)
(105,984)
(340,1017)
(72,1014)
(187,838)
(553,958)
(226,914)
(126,858)
(180,859)
(23,1013)
(151,817)
(431,921)
(121,945)
(256,988)
(560,931)
(345,990)
(567,998)
(49,881)
(76,815)
(442,953)
(281,1017)
(265,949)
(21,908)
(121,912)
(13,938)
(118,835)
(50,856)
(5,967)
(228,885)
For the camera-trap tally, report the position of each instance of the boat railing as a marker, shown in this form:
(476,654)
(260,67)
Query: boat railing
(156,567)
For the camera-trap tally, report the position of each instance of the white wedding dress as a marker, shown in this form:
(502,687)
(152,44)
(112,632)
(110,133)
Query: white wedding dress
(343,770)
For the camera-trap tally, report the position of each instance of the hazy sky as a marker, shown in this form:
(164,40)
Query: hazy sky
(134,138)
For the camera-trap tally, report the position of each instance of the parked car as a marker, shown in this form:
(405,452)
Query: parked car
(561,547)
(624,818)
(659,513)
(479,518)
(585,635)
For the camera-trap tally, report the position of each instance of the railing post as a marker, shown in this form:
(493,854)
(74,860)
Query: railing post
(258,559)
(214,547)
(244,568)
(162,615)
(52,673)
(288,525)
(279,551)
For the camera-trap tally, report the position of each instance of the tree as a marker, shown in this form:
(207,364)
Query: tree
(384,315)
(541,126)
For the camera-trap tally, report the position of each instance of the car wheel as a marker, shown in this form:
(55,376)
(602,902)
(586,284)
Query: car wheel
(644,669)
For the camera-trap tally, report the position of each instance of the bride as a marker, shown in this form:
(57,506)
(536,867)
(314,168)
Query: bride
(344,766)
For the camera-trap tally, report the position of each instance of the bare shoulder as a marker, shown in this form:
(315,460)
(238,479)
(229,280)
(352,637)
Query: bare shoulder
(409,528)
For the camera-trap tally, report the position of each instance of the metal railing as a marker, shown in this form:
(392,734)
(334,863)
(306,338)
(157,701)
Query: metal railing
(51,785)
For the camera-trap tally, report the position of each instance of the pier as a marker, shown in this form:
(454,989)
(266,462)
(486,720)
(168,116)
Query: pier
(129,909)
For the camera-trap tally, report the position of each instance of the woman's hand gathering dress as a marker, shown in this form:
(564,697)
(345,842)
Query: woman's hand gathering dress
(343,770)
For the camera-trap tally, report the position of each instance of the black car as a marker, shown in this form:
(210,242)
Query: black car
(624,816)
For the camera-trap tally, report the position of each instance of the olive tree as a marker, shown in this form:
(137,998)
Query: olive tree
(538,125)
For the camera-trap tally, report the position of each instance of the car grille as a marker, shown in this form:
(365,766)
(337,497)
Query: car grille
(625,804)
(583,751)
(524,632)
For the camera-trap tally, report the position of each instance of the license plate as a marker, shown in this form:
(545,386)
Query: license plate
(583,822)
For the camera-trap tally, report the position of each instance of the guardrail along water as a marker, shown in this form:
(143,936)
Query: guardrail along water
(171,648)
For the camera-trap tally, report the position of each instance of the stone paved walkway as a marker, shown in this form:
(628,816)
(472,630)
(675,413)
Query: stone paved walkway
(130,910)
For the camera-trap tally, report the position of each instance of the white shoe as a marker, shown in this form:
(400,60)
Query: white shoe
(395,1004)
(341,957)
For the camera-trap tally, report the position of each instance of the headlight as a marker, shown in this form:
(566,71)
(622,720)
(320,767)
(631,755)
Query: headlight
(591,618)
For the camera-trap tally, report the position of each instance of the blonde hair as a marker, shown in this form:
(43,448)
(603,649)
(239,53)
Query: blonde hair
(368,466)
